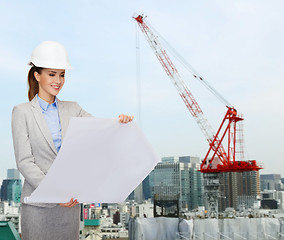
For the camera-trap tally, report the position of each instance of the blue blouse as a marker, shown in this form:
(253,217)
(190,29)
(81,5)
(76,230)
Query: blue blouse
(50,114)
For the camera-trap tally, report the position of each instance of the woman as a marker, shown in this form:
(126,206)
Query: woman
(38,128)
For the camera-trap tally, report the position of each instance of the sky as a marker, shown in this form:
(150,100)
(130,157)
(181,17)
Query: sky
(237,46)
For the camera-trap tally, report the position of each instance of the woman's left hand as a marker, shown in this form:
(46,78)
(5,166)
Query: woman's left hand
(125,118)
(70,204)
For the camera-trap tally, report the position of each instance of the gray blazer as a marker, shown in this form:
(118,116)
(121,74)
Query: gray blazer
(33,143)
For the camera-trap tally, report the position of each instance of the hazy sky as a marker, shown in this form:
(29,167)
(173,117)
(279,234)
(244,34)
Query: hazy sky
(236,45)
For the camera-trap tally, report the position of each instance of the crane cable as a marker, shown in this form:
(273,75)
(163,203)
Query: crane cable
(190,68)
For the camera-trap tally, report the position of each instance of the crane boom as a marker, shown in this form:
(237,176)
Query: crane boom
(220,159)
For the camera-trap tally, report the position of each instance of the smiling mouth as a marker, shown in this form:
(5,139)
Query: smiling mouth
(55,87)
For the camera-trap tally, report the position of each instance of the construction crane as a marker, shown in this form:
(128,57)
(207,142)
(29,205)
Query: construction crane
(218,159)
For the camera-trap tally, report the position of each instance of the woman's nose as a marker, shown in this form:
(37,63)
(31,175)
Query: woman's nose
(57,79)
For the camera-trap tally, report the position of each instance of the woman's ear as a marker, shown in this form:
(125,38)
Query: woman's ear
(37,76)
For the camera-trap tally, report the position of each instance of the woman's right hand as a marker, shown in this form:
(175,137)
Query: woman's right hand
(69,204)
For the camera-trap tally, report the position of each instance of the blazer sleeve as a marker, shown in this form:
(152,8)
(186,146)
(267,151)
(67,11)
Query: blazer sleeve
(22,148)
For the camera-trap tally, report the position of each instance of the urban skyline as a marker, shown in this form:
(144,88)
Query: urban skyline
(236,46)
(177,178)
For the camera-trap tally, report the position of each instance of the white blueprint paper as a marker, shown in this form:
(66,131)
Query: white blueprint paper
(100,160)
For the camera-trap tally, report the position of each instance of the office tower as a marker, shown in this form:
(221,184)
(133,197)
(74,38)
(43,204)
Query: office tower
(141,192)
(11,188)
(13,174)
(138,193)
(178,178)
(146,188)
(270,182)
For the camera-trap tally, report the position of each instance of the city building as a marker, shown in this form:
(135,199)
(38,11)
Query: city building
(268,199)
(189,159)
(146,188)
(270,182)
(11,188)
(196,189)
(238,188)
(178,178)
(145,209)
(10,212)
(124,218)
(280,199)
(138,193)
(272,199)
(13,174)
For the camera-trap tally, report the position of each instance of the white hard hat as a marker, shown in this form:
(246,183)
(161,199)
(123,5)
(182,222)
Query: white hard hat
(50,54)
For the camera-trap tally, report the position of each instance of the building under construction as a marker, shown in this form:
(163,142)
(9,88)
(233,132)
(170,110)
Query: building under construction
(239,189)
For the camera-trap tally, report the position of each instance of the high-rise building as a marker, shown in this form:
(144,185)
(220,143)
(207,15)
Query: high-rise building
(189,159)
(138,193)
(11,188)
(270,182)
(146,188)
(238,188)
(196,188)
(141,192)
(13,174)
(178,178)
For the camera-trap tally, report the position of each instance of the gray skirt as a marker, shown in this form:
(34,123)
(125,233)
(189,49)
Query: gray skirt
(40,223)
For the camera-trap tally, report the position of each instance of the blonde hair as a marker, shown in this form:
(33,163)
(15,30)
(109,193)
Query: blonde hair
(32,82)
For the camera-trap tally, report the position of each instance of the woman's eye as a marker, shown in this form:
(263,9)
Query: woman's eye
(62,76)
(51,75)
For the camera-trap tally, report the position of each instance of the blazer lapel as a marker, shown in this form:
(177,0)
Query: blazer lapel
(64,120)
(37,111)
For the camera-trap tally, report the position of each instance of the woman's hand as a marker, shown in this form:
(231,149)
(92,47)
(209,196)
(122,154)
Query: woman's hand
(70,204)
(125,118)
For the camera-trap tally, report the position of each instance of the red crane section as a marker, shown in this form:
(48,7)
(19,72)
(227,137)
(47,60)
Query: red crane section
(216,159)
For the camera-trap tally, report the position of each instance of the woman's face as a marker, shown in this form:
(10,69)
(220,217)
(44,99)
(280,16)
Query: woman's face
(50,82)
